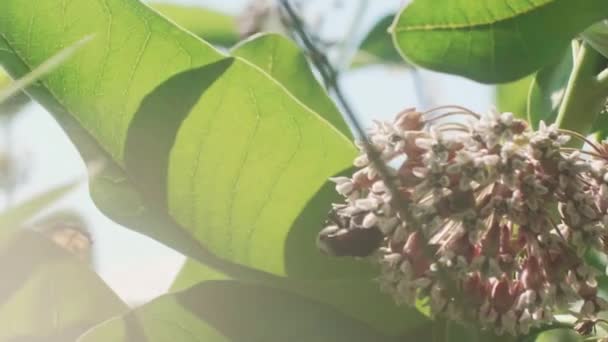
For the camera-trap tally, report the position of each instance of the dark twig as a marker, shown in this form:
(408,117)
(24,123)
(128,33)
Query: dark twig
(329,76)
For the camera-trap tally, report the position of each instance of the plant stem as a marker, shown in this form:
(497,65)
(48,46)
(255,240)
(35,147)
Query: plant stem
(320,61)
(585,95)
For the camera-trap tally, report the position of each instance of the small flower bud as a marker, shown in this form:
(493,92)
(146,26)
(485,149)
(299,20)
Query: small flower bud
(501,295)
(409,120)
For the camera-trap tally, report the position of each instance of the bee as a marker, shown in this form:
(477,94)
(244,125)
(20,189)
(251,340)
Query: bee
(342,236)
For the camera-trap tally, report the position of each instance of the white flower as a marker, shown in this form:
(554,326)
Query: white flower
(367,204)
(369,220)
(344,186)
(361,161)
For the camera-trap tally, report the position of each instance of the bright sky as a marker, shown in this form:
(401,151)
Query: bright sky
(139,268)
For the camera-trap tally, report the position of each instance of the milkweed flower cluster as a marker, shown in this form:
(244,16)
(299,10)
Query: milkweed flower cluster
(486,219)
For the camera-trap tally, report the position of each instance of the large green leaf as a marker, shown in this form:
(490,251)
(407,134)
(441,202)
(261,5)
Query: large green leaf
(225,150)
(213,26)
(298,251)
(597,37)
(491,41)
(513,96)
(377,47)
(547,90)
(358,298)
(47,294)
(282,59)
(232,311)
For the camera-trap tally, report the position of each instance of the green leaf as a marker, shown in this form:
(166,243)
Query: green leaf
(47,294)
(600,126)
(283,60)
(491,41)
(223,150)
(358,298)
(232,311)
(213,26)
(597,37)
(16,216)
(513,96)
(297,248)
(547,90)
(377,47)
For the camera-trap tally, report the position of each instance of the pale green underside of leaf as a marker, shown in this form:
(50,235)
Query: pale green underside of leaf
(213,26)
(232,311)
(283,60)
(500,41)
(246,159)
(47,294)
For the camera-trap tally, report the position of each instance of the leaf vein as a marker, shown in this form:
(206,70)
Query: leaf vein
(470,25)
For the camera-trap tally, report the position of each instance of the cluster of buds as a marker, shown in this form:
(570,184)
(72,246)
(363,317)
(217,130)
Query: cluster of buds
(484,218)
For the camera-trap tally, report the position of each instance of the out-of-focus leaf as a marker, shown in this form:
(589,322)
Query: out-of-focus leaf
(597,37)
(491,41)
(513,96)
(14,103)
(282,59)
(16,216)
(232,311)
(377,47)
(547,90)
(48,295)
(213,26)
